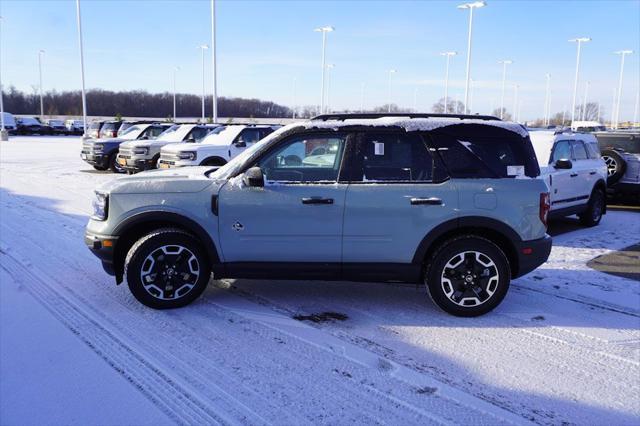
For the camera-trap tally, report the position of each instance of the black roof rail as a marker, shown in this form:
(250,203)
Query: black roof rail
(351,116)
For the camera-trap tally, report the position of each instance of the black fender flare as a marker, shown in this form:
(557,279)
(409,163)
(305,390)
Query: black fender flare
(127,232)
(507,235)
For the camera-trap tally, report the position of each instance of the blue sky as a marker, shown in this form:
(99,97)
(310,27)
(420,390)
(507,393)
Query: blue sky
(264,45)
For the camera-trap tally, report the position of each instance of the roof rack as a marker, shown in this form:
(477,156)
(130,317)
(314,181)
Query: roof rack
(350,116)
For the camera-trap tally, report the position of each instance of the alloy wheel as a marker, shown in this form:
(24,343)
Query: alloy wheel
(170,272)
(470,278)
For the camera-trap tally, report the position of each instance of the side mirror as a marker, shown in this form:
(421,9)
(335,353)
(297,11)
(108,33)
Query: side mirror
(563,164)
(240,144)
(190,140)
(253,177)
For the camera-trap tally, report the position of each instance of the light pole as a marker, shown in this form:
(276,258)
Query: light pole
(4,135)
(391,72)
(622,54)
(470,6)
(579,40)
(361,97)
(583,116)
(214,62)
(328,103)
(448,55)
(293,100)
(545,120)
(324,30)
(635,109)
(203,47)
(40,53)
(613,108)
(175,69)
(504,79)
(84,97)
(515,102)
(470,109)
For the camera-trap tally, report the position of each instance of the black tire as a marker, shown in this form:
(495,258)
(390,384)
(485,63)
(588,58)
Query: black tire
(113,164)
(595,209)
(216,161)
(616,166)
(154,161)
(148,256)
(480,265)
(101,168)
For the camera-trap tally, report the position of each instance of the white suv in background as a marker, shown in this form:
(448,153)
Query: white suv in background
(216,149)
(571,165)
(139,155)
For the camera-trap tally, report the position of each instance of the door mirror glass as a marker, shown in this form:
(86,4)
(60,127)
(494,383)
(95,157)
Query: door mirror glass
(563,164)
(240,143)
(253,177)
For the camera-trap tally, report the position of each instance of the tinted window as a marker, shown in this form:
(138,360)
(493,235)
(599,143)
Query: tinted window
(152,132)
(265,131)
(313,158)
(562,150)
(482,151)
(401,157)
(198,133)
(593,150)
(579,151)
(249,136)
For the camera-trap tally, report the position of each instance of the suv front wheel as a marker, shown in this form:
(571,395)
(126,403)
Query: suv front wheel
(167,269)
(468,276)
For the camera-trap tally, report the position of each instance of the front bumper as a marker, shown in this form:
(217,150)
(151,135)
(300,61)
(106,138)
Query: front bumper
(532,254)
(170,164)
(102,246)
(95,159)
(135,164)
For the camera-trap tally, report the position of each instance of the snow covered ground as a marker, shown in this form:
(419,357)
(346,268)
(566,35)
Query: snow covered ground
(563,348)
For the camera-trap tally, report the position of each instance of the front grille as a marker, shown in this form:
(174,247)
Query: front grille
(125,152)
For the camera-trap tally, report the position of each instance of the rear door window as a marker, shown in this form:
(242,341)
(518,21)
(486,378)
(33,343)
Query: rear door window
(396,157)
(579,151)
(593,150)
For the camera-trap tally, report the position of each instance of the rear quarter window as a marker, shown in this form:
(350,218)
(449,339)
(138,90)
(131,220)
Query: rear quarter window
(483,151)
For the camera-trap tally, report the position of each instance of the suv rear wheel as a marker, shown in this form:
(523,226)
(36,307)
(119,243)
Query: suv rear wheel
(167,269)
(595,209)
(468,276)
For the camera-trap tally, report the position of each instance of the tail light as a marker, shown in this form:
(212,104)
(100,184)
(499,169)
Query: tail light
(545,206)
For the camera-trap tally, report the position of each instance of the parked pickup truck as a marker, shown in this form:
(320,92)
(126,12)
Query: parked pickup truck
(571,165)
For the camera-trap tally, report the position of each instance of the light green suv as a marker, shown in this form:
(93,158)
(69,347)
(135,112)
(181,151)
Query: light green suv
(453,202)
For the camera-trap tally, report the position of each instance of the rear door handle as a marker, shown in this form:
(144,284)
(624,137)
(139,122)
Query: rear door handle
(317,200)
(432,201)
(574,174)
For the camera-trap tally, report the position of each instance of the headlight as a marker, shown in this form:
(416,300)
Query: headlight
(187,155)
(97,147)
(141,150)
(100,206)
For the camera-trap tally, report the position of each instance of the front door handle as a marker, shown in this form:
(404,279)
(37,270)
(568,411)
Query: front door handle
(573,175)
(432,201)
(317,200)
(592,173)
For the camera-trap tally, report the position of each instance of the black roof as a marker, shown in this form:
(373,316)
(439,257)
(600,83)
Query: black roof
(351,116)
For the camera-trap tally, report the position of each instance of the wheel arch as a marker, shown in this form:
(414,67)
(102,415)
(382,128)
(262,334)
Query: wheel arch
(498,232)
(221,161)
(601,185)
(133,228)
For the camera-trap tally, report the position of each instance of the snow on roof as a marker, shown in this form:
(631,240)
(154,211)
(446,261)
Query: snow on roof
(414,124)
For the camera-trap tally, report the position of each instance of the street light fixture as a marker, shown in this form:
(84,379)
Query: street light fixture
(504,77)
(446,78)
(175,69)
(324,30)
(40,53)
(622,54)
(391,71)
(579,40)
(203,47)
(470,6)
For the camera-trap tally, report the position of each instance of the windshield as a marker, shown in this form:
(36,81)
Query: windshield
(236,163)
(132,132)
(169,134)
